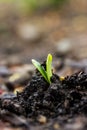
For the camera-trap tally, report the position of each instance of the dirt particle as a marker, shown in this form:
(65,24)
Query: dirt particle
(56,126)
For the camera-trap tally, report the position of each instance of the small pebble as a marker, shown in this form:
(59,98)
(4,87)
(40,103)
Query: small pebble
(29,32)
(24,68)
(64,46)
(42,119)
(7,96)
(56,126)
(4,71)
(19,89)
(17,79)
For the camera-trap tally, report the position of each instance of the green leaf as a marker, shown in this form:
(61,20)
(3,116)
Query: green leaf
(49,67)
(40,68)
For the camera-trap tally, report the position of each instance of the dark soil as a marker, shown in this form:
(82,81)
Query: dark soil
(67,98)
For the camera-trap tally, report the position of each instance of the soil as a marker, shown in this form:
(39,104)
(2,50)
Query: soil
(58,102)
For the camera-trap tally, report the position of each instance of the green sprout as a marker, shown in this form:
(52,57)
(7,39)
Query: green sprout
(47,74)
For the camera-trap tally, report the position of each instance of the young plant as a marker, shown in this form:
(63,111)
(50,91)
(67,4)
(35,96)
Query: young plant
(47,74)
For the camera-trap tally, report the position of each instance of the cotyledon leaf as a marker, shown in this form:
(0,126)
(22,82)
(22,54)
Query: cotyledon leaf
(40,68)
(49,67)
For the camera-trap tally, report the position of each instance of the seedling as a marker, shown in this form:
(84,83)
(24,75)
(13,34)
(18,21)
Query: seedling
(47,74)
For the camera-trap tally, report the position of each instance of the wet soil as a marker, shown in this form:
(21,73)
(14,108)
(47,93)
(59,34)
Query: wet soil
(60,101)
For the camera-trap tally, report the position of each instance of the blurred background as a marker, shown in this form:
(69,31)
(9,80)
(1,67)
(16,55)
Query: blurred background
(34,28)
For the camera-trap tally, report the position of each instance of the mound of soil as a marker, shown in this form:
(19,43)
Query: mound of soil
(60,98)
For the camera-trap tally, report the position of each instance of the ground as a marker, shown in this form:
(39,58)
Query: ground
(16,73)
